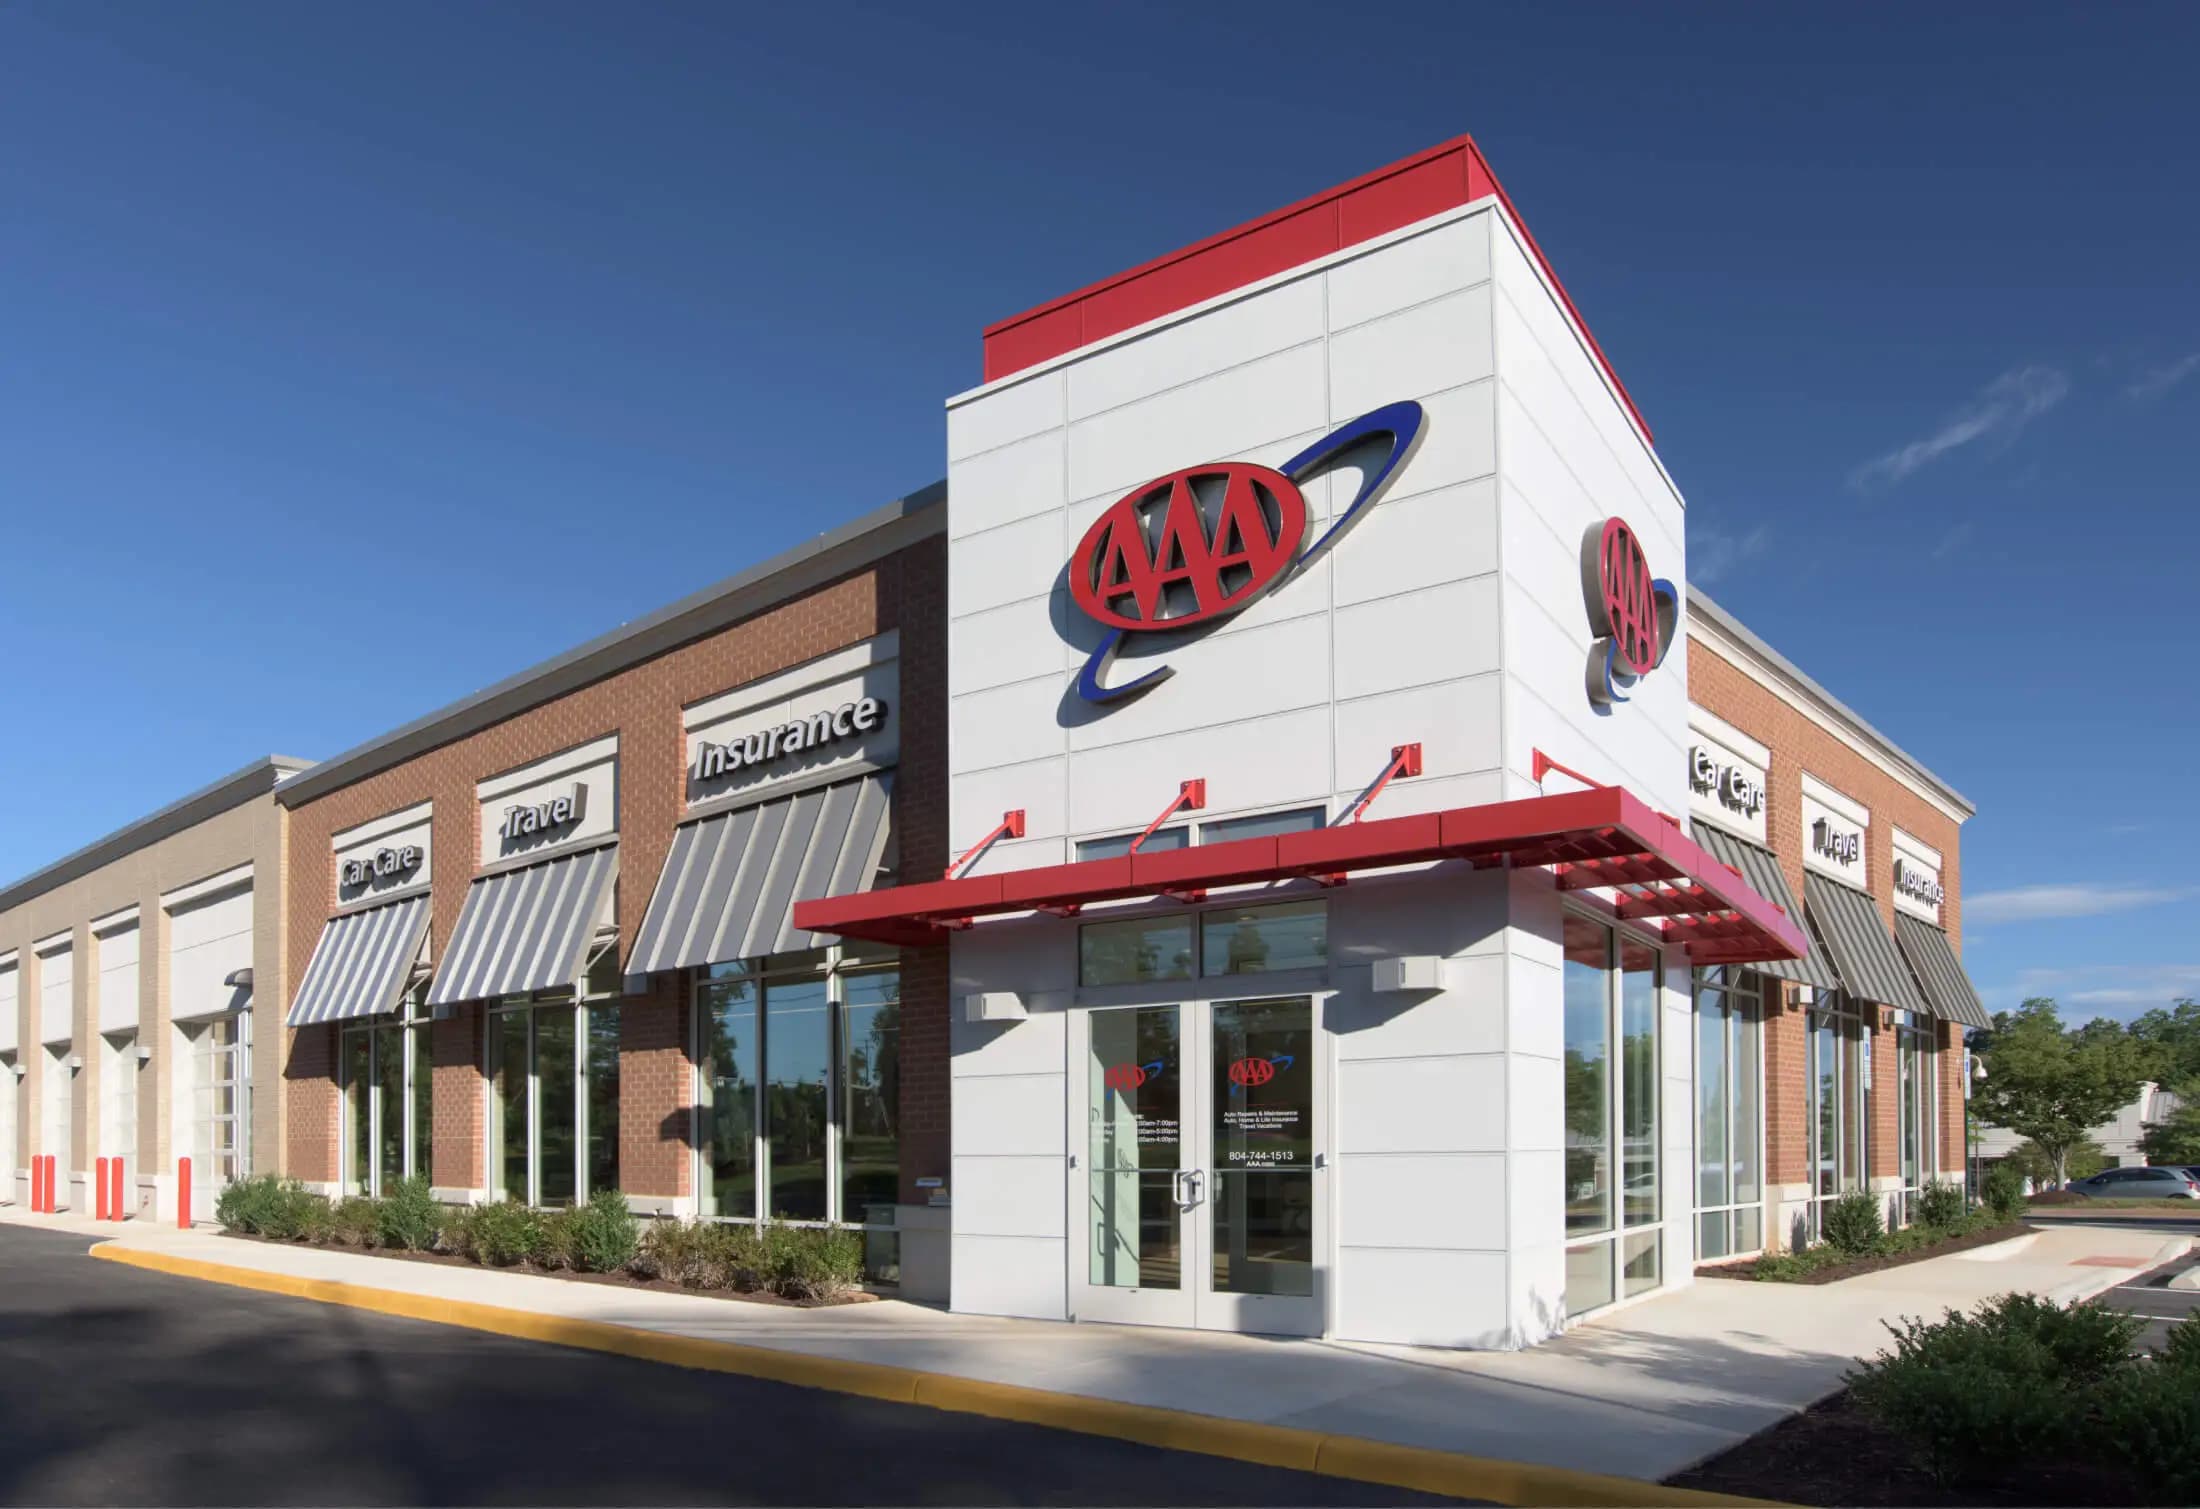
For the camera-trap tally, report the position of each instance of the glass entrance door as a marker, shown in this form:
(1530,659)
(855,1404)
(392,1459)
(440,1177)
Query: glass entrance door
(1196,1179)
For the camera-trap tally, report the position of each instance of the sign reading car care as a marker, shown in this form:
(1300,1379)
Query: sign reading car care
(1917,887)
(850,720)
(565,798)
(1632,614)
(1726,780)
(1198,545)
(382,864)
(384,856)
(1834,826)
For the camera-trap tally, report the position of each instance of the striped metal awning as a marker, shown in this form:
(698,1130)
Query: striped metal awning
(1940,974)
(1848,923)
(526,929)
(1761,869)
(731,881)
(360,966)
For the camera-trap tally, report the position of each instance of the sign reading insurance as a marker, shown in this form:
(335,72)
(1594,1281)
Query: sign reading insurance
(837,725)
(1198,545)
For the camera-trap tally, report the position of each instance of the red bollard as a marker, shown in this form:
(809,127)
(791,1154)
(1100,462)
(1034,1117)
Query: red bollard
(115,1210)
(45,1201)
(99,1189)
(38,1186)
(183,1193)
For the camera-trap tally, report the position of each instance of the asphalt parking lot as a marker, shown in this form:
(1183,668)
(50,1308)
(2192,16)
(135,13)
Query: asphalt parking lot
(127,1387)
(2149,1297)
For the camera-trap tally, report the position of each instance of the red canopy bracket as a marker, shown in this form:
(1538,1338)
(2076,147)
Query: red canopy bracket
(1011,826)
(1405,759)
(1543,765)
(1190,796)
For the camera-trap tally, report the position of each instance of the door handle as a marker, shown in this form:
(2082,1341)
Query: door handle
(1187,1188)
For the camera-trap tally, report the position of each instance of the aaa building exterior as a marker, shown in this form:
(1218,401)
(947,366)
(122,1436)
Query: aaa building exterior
(1454,930)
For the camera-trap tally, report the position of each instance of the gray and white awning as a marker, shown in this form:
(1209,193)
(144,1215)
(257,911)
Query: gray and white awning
(1762,870)
(1946,983)
(1847,921)
(361,965)
(731,881)
(526,929)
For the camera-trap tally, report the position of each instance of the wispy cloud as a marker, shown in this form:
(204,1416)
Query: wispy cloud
(2042,903)
(2159,380)
(2005,406)
(1954,540)
(1713,552)
(2121,830)
(2117,990)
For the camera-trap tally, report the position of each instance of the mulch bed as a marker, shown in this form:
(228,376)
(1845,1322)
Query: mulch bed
(615,1280)
(1833,1273)
(1833,1453)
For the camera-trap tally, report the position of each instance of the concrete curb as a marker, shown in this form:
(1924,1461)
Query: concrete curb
(1411,1467)
(2189,1279)
(2077,1290)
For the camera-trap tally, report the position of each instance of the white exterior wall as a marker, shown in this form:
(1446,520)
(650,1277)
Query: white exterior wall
(1452,615)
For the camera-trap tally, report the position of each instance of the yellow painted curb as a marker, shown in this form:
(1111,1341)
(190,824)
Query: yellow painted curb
(1412,1467)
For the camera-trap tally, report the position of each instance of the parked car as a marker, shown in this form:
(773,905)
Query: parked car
(2140,1184)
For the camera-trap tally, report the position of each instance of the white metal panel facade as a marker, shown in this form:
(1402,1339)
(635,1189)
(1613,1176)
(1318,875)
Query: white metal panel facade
(56,994)
(118,977)
(1453,615)
(209,940)
(11,1003)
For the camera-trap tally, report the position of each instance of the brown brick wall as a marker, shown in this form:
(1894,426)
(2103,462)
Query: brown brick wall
(642,705)
(1798,744)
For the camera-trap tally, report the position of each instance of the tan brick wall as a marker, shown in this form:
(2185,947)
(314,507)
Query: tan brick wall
(642,705)
(1798,744)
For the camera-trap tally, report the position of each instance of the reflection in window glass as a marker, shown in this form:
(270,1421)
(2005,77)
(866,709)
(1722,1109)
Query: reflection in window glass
(557,1155)
(603,1098)
(1254,939)
(1638,1026)
(1125,953)
(1588,953)
(870,1148)
(1262,1103)
(508,1067)
(1159,840)
(798,1046)
(389,1097)
(1262,825)
(729,1050)
(1638,1263)
(1588,1277)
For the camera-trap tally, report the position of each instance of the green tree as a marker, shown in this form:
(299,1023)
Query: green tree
(2053,1085)
(2081,1161)
(2170,1040)
(2175,1139)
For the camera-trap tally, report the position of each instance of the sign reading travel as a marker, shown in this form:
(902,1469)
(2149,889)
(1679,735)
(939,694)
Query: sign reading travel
(540,819)
(1844,846)
(850,720)
(1633,616)
(381,865)
(1834,825)
(1203,543)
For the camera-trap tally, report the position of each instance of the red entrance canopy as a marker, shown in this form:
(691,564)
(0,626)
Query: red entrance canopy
(1592,839)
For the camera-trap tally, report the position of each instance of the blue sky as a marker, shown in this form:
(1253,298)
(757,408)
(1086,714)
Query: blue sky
(351,359)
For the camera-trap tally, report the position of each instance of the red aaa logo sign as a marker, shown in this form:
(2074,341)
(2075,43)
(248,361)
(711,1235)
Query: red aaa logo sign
(1189,575)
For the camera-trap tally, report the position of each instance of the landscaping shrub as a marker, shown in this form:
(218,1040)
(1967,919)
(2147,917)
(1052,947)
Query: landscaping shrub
(2147,1417)
(454,1233)
(1940,1206)
(2004,1191)
(308,1218)
(1852,1223)
(501,1235)
(2182,1350)
(355,1222)
(809,1262)
(556,1247)
(672,1249)
(245,1205)
(410,1216)
(603,1234)
(2085,1342)
(1960,1391)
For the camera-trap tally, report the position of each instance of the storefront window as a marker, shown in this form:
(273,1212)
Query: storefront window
(1255,939)
(388,1104)
(799,1093)
(1840,1095)
(218,1088)
(1612,986)
(552,1062)
(1135,950)
(1917,1063)
(118,1095)
(1729,1125)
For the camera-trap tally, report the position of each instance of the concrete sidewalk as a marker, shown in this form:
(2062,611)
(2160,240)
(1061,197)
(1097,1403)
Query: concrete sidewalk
(1640,1393)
